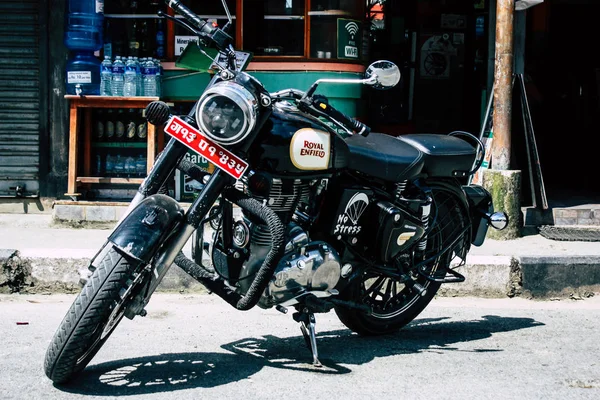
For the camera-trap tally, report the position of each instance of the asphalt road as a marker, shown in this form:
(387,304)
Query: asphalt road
(197,347)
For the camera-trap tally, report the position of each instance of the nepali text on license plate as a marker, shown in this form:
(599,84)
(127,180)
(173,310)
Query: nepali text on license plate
(213,152)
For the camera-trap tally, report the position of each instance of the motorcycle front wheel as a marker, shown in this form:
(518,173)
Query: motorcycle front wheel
(92,318)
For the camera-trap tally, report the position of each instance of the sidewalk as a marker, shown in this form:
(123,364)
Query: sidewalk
(530,266)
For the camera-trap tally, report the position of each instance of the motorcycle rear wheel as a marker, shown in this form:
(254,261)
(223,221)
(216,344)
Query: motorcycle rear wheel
(392,308)
(92,318)
(395,304)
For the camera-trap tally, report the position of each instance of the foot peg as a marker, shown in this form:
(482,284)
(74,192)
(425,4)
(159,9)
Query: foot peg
(307,326)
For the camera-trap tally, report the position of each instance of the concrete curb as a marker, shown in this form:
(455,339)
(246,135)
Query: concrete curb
(47,270)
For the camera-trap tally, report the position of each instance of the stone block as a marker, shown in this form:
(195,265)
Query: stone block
(68,213)
(584,214)
(565,221)
(119,212)
(100,213)
(562,213)
(586,221)
(486,276)
(546,276)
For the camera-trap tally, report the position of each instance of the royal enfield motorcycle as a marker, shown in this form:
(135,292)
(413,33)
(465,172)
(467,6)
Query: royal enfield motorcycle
(306,210)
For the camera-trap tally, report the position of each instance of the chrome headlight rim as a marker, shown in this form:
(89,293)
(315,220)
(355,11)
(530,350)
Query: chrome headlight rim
(242,98)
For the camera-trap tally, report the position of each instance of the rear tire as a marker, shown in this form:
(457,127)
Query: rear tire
(86,326)
(384,321)
(395,304)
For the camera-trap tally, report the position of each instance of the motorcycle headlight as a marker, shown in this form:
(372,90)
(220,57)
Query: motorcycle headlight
(227,113)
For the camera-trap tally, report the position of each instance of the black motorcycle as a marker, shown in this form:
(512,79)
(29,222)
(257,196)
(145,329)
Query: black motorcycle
(332,217)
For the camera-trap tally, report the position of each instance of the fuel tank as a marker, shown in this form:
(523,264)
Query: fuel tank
(294,144)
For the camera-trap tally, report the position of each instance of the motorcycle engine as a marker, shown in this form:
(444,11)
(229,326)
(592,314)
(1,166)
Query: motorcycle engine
(306,266)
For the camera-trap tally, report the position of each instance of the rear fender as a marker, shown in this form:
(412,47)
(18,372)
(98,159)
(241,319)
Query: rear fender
(140,234)
(480,205)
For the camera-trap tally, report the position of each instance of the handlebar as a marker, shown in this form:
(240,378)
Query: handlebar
(217,36)
(321,104)
(318,106)
(197,22)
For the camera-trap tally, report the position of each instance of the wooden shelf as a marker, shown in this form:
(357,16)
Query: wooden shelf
(285,17)
(109,101)
(99,179)
(329,13)
(82,141)
(120,145)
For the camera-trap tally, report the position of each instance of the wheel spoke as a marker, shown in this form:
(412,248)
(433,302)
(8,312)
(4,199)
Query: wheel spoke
(374,287)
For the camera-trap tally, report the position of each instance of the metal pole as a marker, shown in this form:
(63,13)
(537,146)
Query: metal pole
(503,84)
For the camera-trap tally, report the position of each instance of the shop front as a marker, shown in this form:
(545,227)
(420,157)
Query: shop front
(284,44)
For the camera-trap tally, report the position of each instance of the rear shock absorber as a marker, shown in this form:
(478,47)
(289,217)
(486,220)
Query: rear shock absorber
(400,186)
(425,213)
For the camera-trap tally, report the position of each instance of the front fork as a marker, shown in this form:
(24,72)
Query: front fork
(162,170)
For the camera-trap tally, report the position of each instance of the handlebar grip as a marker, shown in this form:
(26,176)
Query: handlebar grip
(350,122)
(192,18)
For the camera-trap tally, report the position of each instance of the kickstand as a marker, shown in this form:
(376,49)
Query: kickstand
(307,326)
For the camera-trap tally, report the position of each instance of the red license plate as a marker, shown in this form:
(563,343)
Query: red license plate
(213,152)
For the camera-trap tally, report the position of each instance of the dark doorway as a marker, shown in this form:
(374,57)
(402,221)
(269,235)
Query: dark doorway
(564,62)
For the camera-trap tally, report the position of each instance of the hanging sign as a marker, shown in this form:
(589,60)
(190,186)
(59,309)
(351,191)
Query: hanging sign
(181,43)
(349,39)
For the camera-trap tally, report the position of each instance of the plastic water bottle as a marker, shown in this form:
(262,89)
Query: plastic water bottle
(110,165)
(130,84)
(140,166)
(119,168)
(159,73)
(118,77)
(105,77)
(138,76)
(98,168)
(83,74)
(160,39)
(149,78)
(142,64)
(85,19)
(129,166)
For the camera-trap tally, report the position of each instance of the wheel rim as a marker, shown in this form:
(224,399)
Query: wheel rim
(388,297)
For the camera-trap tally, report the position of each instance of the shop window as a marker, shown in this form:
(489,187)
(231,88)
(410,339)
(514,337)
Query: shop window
(274,27)
(303,29)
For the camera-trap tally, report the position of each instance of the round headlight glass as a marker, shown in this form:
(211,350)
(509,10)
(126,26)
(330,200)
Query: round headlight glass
(227,113)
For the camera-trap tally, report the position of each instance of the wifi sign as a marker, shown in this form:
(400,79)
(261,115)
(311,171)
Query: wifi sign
(349,38)
(352,28)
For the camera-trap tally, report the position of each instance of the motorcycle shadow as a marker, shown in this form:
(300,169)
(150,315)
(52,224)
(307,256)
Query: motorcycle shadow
(338,349)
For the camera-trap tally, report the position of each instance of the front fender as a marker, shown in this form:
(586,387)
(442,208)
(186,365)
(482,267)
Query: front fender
(147,226)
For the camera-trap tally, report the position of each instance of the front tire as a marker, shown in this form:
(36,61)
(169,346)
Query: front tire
(91,319)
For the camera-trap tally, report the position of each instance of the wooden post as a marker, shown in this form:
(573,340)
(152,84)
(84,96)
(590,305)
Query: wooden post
(72,184)
(87,142)
(503,74)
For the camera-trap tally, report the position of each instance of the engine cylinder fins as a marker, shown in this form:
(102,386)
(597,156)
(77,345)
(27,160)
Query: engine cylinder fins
(260,236)
(284,196)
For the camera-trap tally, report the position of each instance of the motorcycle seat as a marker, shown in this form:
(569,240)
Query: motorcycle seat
(384,157)
(443,155)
